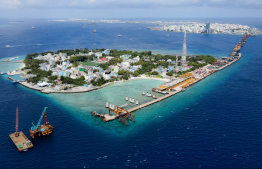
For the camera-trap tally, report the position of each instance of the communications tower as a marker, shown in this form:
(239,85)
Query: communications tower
(183,59)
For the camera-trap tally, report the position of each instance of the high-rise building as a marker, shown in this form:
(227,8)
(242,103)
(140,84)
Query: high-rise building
(207,27)
(183,59)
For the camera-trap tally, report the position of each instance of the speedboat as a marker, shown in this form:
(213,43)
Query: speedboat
(119,35)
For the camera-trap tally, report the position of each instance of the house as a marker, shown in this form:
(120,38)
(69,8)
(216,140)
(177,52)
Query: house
(89,70)
(109,58)
(125,65)
(201,61)
(98,54)
(107,74)
(91,53)
(136,59)
(102,60)
(52,61)
(146,60)
(106,52)
(125,56)
(115,68)
(43,84)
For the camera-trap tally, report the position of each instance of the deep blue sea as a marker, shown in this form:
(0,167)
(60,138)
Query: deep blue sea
(217,123)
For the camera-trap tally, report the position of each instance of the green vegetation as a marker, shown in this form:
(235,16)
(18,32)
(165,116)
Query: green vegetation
(88,63)
(148,61)
(78,81)
(171,73)
(98,81)
(154,73)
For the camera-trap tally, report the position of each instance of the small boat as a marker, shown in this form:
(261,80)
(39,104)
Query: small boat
(7,46)
(8,73)
(119,35)
(143,93)
(167,35)
(148,27)
(33,27)
(2,73)
(15,82)
(183,89)
(124,105)
(94,31)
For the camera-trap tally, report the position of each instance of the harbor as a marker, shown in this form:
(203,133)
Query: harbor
(174,87)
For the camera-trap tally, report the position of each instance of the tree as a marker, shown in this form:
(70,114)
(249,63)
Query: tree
(170,73)
(136,74)
(155,73)
(75,64)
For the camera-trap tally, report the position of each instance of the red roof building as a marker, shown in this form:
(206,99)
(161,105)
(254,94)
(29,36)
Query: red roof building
(102,60)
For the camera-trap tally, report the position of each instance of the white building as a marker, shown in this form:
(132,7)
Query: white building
(107,74)
(98,54)
(125,65)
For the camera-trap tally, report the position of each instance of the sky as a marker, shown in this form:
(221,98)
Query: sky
(87,9)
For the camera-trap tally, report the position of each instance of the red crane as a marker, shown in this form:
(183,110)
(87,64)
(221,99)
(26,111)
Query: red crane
(16,126)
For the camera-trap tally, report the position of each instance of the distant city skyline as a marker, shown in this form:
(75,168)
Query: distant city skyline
(129,8)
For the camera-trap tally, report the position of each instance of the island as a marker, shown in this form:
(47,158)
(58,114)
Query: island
(83,70)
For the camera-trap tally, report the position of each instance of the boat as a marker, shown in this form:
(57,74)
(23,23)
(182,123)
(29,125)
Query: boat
(15,82)
(167,35)
(183,89)
(124,105)
(94,31)
(33,27)
(148,27)
(8,73)
(119,35)
(143,93)
(1,35)
(7,46)
(2,73)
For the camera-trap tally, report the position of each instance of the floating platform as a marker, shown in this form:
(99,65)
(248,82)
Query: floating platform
(21,141)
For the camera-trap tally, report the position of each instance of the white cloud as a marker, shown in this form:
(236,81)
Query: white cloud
(12,4)
(93,4)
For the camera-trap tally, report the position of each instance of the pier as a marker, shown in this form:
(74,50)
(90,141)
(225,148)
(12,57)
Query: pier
(174,87)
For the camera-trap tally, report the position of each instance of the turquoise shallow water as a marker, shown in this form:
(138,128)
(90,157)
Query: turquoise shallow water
(80,104)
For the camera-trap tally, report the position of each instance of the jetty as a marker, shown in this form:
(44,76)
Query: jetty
(172,88)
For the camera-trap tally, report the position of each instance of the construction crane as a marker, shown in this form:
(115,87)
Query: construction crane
(43,130)
(16,126)
(34,128)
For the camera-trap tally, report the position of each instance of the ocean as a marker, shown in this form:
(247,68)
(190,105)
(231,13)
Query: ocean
(216,123)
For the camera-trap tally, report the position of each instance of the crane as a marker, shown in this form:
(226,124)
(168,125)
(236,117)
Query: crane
(16,126)
(34,128)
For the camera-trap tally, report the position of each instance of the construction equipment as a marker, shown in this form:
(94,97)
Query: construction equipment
(19,139)
(44,129)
